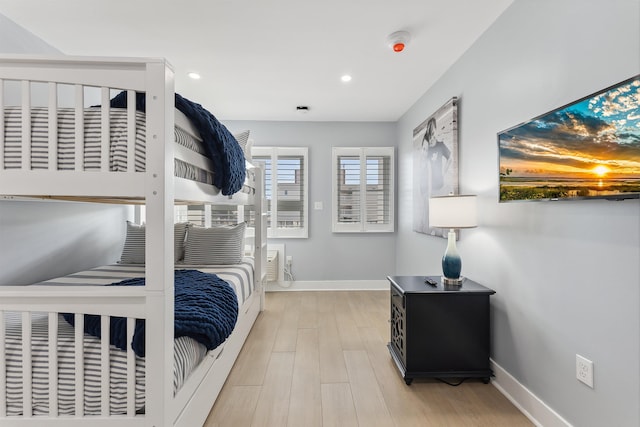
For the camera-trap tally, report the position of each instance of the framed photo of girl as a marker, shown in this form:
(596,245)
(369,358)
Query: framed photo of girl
(435,163)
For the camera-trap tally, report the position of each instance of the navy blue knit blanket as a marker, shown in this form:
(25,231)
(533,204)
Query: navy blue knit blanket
(206,309)
(221,146)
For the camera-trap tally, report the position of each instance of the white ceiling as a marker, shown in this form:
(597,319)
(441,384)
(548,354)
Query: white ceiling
(259,59)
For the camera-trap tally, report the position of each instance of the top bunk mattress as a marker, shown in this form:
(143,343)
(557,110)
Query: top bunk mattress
(185,135)
(66,139)
(48,134)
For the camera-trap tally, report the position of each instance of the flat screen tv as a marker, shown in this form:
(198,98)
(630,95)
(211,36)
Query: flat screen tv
(589,149)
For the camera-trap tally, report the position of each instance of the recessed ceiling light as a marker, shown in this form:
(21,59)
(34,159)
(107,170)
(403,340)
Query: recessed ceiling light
(194,76)
(346,78)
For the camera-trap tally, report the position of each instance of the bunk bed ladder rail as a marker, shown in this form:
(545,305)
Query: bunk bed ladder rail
(27,84)
(79,131)
(260,203)
(41,363)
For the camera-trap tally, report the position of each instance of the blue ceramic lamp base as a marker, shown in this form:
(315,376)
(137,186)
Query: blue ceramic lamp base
(451,262)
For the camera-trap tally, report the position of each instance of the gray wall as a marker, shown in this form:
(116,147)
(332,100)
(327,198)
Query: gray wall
(40,240)
(325,255)
(15,39)
(567,274)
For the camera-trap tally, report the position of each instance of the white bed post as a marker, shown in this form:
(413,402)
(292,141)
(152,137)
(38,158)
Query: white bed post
(260,237)
(159,193)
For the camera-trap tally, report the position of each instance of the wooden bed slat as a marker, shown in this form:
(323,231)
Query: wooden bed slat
(26,125)
(27,404)
(3,367)
(131,370)
(105,130)
(1,125)
(52,137)
(79,363)
(131,131)
(53,364)
(105,381)
(79,127)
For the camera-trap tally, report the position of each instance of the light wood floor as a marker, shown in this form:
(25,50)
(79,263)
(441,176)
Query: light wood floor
(320,359)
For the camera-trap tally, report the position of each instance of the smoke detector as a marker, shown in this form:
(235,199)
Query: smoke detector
(399,40)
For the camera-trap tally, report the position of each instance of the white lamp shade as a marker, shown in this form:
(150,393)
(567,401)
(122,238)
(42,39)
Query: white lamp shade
(453,212)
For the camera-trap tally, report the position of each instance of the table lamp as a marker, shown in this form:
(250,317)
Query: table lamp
(452,212)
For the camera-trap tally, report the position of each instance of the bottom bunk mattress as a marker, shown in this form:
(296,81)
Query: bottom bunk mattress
(188,352)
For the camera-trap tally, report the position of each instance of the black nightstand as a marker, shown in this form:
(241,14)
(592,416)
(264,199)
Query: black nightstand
(439,331)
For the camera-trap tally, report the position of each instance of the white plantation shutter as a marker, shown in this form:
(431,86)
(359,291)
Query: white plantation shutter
(286,187)
(363,199)
(290,201)
(349,177)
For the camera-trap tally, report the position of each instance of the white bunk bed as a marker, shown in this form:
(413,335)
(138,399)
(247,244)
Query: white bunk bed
(159,190)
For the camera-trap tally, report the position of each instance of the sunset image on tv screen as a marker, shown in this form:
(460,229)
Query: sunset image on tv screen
(590,148)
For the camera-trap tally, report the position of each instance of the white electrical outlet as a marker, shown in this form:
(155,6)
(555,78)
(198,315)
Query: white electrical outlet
(289,259)
(584,370)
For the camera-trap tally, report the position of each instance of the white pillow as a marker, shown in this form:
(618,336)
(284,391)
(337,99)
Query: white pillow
(215,245)
(133,251)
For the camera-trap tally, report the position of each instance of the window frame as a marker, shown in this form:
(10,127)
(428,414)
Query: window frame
(274,153)
(362,226)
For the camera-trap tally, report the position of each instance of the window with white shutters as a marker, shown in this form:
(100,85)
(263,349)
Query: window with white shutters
(286,185)
(363,199)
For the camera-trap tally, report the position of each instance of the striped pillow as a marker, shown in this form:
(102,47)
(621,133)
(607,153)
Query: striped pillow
(243,139)
(133,251)
(215,245)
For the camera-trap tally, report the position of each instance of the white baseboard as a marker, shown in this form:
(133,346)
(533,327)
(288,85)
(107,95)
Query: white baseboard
(329,285)
(538,412)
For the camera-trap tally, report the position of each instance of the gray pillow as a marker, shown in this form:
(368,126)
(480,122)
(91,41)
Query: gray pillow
(215,245)
(133,251)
